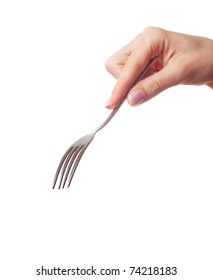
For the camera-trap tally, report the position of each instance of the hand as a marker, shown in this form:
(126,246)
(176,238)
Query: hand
(181,59)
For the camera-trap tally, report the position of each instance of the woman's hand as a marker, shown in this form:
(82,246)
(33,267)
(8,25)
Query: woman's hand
(181,59)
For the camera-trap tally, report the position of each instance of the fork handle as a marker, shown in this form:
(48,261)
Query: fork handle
(139,77)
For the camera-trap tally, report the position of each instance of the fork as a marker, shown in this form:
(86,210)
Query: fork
(72,156)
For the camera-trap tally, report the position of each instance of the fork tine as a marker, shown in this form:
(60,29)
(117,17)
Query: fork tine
(60,166)
(64,165)
(77,160)
(65,175)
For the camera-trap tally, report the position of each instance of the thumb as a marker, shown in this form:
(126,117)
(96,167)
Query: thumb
(153,85)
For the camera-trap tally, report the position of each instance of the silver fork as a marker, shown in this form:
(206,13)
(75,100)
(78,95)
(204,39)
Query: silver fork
(72,157)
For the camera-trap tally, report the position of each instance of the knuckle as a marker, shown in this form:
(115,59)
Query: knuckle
(148,29)
(109,65)
(154,31)
(154,39)
(113,67)
(139,35)
(155,86)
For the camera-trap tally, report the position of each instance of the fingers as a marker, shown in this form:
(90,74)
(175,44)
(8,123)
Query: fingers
(181,59)
(115,69)
(145,46)
(116,62)
(126,76)
(153,85)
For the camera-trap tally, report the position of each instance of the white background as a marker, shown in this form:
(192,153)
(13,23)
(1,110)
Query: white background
(142,195)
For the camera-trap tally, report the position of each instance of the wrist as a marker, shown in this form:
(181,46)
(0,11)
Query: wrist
(210,83)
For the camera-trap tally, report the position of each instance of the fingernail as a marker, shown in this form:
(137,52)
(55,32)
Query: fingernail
(136,97)
(109,102)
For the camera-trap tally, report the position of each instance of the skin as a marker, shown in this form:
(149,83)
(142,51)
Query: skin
(181,59)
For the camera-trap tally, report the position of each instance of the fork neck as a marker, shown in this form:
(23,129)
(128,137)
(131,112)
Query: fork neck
(114,111)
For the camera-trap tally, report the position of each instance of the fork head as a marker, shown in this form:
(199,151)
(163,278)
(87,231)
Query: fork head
(70,161)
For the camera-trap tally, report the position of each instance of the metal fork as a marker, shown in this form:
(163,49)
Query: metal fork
(72,157)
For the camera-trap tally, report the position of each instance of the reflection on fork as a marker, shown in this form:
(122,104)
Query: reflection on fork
(72,157)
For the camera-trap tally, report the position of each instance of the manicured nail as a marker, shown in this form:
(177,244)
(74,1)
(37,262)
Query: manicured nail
(109,102)
(136,97)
